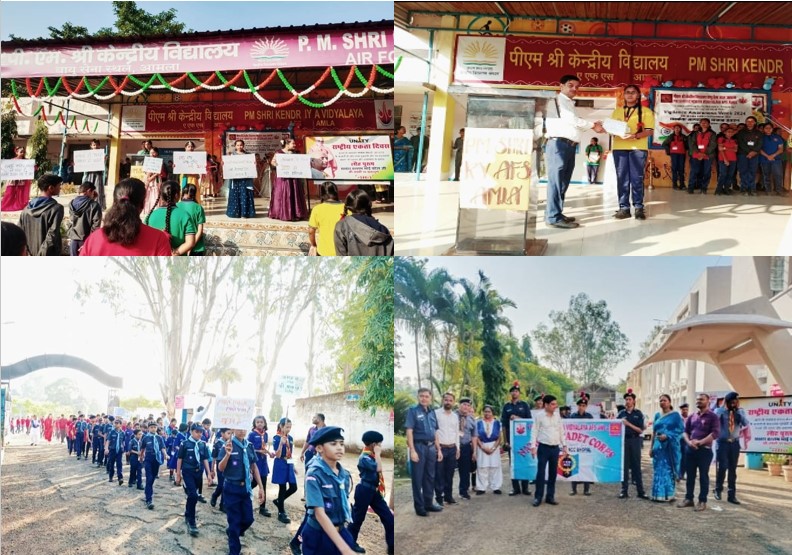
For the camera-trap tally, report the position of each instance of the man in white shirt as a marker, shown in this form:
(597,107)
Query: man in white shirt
(563,139)
(547,436)
(448,433)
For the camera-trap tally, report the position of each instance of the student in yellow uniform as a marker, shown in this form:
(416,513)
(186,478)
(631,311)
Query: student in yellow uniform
(630,152)
(324,218)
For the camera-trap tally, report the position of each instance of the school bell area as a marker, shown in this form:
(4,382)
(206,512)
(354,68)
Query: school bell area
(494,70)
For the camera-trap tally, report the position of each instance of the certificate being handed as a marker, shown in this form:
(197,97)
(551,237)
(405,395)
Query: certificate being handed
(615,127)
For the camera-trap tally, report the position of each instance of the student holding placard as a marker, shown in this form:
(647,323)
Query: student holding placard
(288,198)
(186,179)
(17,193)
(154,181)
(240,191)
(97,178)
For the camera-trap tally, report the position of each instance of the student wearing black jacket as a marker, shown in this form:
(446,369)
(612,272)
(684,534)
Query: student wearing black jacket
(85,214)
(42,217)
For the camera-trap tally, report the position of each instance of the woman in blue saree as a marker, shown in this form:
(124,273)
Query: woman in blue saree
(667,431)
(402,151)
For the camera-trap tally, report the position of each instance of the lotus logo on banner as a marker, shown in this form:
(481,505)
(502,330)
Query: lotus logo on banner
(269,52)
(480,58)
(384,110)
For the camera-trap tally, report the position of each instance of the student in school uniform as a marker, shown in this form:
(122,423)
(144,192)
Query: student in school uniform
(238,461)
(109,427)
(283,471)
(153,454)
(327,487)
(207,437)
(224,435)
(259,438)
(172,444)
(192,458)
(79,435)
(71,434)
(370,492)
(97,444)
(114,449)
(135,471)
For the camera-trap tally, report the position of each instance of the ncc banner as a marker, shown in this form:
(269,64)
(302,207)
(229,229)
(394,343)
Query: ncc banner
(595,451)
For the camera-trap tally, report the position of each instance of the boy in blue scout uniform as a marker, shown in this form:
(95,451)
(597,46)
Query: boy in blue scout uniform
(153,448)
(135,471)
(108,427)
(238,461)
(327,487)
(172,444)
(192,459)
(97,431)
(79,435)
(114,450)
(371,489)
(219,447)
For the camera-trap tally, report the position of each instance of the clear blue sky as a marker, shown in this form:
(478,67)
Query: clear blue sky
(639,290)
(27,19)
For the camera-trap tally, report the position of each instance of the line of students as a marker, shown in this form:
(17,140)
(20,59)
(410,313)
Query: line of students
(237,460)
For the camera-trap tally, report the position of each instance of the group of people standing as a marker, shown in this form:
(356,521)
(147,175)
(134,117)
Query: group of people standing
(746,150)
(443,440)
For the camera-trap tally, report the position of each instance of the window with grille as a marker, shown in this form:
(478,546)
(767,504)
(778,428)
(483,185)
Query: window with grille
(779,274)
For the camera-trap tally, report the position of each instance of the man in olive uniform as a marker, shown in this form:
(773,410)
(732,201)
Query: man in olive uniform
(512,410)
(633,439)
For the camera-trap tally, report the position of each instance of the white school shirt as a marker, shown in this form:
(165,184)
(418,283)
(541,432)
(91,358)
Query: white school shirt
(567,125)
(448,427)
(548,430)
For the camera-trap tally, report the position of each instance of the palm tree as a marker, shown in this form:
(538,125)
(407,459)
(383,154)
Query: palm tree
(222,372)
(491,306)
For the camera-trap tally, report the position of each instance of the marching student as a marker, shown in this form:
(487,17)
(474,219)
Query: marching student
(283,471)
(114,450)
(135,471)
(79,435)
(259,438)
(327,487)
(71,434)
(370,492)
(238,461)
(97,453)
(153,454)
(172,444)
(207,437)
(109,427)
(224,435)
(193,454)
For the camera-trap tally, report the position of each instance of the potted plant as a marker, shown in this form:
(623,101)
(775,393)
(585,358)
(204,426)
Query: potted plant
(787,468)
(774,462)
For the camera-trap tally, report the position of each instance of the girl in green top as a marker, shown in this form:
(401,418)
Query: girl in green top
(196,212)
(174,221)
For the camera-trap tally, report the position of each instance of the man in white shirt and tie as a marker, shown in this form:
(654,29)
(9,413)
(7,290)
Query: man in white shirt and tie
(563,139)
(547,437)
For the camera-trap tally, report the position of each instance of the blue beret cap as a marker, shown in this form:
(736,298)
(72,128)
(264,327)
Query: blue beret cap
(325,434)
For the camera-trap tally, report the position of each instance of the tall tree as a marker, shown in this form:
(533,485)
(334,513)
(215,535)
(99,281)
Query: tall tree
(645,349)
(8,131)
(68,31)
(491,306)
(527,349)
(132,21)
(583,342)
(374,278)
(38,148)
(186,304)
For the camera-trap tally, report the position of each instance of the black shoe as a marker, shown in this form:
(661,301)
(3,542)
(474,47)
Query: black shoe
(717,495)
(622,214)
(264,511)
(536,502)
(440,502)
(643,496)
(110,480)
(201,499)
(733,501)
(213,501)
(682,188)
(141,487)
(551,501)
(451,501)
(150,506)
(691,191)
(640,214)
(479,492)
(573,492)
(587,492)
(120,481)
(222,508)
(497,492)
(565,225)
(357,549)
(284,518)
(512,493)
(421,513)
(623,495)
(193,530)
(703,191)
(526,492)
(465,496)
(295,548)
(129,485)
(567,219)
(434,509)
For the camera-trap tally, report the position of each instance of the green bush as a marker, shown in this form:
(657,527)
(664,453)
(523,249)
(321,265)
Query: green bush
(400,456)
(402,402)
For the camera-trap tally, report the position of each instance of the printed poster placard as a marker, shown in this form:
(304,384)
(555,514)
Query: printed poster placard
(92,160)
(239,166)
(354,158)
(496,169)
(189,162)
(263,143)
(770,423)
(595,450)
(17,169)
(293,166)
(234,412)
(152,165)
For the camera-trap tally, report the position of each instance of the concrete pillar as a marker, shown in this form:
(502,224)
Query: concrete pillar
(442,136)
(115,152)
(775,348)
(740,379)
